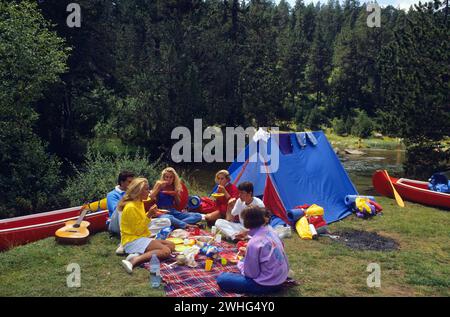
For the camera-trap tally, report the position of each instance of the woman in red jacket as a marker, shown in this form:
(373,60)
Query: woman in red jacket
(225,203)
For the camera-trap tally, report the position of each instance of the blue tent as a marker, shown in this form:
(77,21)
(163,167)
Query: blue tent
(308,172)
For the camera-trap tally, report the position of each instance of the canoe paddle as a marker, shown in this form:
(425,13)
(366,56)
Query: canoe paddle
(398,199)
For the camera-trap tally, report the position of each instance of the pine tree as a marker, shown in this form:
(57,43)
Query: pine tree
(415,85)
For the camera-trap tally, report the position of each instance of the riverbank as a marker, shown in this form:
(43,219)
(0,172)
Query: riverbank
(351,142)
(323,268)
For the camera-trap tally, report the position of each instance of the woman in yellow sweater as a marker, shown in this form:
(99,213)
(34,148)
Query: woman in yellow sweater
(135,235)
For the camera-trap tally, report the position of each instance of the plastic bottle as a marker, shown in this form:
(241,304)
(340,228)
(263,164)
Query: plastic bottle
(313,231)
(155,272)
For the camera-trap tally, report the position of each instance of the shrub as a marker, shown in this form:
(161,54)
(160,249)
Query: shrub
(425,158)
(99,175)
(363,125)
(312,119)
(339,126)
(29,178)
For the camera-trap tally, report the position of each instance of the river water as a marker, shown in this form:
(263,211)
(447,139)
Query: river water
(360,168)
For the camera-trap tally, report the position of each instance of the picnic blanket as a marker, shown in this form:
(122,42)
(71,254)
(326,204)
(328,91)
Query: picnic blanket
(185,281)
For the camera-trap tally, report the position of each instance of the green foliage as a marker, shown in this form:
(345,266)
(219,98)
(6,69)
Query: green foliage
(425,159)
(316,118)
(416,85)
(363,125)
(138,69)
(32,57)
(338,126)
(99,175)
(417,97)
(30,178)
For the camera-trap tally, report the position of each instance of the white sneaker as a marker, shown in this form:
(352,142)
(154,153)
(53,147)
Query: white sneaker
(127,266)
(120,250)
(132,255)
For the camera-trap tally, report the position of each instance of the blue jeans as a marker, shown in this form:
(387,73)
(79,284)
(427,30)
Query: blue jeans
(238,283)
(181,219)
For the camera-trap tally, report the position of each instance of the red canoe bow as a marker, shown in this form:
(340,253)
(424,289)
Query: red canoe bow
(22,230)
(411,190)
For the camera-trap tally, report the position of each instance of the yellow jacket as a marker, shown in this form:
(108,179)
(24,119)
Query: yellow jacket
(134,222)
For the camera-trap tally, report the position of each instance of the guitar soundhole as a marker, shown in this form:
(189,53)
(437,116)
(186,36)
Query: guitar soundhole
(76,226)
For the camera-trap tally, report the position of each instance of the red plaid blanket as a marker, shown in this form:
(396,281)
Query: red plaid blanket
(184,281)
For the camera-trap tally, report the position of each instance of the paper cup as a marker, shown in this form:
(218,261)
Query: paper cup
(208,265)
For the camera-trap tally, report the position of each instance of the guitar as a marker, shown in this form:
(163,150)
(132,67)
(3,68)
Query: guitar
(74,232)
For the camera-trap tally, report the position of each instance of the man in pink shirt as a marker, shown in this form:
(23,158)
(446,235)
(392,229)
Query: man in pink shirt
(265,266)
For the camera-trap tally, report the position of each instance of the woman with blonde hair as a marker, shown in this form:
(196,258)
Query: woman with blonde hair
(225,203)
(166,193)
(135,234)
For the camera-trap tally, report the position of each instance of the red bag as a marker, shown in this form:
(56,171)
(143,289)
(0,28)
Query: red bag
(207,205)
(317,221)
(378,207)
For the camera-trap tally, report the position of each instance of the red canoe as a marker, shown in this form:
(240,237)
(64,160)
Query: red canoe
(22,230)
(411,190)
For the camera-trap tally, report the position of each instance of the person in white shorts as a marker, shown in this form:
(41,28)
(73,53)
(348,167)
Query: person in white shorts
(236,230)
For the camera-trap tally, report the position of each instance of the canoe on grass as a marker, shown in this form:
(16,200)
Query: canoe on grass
(22,230)
(412,190)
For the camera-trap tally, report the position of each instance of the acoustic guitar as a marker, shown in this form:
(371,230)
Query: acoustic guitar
(74,232)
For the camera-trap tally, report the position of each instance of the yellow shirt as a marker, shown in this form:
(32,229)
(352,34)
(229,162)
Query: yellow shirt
(134,222)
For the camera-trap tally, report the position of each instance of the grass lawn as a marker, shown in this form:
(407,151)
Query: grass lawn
(421,267)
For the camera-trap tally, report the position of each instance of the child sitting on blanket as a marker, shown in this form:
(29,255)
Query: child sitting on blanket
(166,192)
(226,203)
(134,232)
(265,266)
(236,230)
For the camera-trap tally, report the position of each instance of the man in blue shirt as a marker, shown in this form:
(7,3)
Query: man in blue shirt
(114,196)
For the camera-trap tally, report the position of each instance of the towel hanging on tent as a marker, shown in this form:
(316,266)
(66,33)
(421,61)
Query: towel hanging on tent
(312,138)
(303,136)
(261,134)
(301,139)
(284,143)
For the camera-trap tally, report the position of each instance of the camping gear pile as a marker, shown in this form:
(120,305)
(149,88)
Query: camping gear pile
(308,221)
(438,182)
(364,206)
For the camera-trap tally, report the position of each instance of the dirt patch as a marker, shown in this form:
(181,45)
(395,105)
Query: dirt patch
(363,240)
